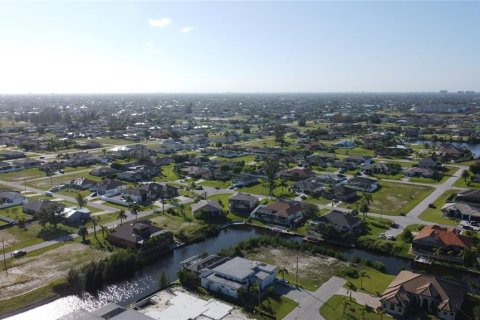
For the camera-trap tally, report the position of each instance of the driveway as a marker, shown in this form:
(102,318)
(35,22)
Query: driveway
(309,303)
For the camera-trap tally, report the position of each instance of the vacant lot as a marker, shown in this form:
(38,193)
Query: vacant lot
(397,198)
(313,270)
(28,273)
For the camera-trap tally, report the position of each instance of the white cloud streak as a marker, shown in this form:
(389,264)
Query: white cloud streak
(186,29)
(159,23)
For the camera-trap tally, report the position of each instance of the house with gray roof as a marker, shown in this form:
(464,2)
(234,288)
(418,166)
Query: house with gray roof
(243,203)
(237,273)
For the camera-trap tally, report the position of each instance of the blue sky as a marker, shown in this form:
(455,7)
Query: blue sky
(238,46)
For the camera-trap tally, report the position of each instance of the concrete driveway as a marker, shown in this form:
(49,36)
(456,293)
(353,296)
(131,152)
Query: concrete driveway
(309,303)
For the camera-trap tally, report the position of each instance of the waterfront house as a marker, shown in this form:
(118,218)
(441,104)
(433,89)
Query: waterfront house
(362,184)
(340,221)
(410,292)
(207,208)
(242,203)
(282,212)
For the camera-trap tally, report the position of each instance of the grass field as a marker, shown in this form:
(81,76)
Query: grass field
(277,306)
(341,307)
(26,174)
(262,190)
(435,214)
(374,283)
(167,174)
(355,151)
(396,198)
(14,213)
(216,183)
(461,183)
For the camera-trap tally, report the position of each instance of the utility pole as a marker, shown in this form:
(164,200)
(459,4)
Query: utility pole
(296,274)
(25,184)
(4,259)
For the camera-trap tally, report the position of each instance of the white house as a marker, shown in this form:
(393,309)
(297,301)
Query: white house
(228,277)
(76,216)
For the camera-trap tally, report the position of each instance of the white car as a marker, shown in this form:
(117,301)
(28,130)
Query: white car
(391,237)
(382,236)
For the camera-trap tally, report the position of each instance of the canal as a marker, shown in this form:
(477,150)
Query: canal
(146,280)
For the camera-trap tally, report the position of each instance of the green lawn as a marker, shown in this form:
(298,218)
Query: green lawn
(216,183)
(120,207)
(375,282)
(27,174)
(35,234)
(247,159)
(73,193)
(14,213)
(435,214)
(376,226)
(341,307)
(318,200)
(396,198)
(277,306)
(261,190)
(49,182)
(461,183)
(167,174)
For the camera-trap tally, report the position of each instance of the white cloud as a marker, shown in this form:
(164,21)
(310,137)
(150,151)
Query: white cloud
(159,23)
(186,29)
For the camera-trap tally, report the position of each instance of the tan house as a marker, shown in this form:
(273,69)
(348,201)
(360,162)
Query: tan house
(411,291)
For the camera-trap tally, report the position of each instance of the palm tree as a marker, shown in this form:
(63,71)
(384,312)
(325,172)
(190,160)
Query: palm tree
(283,184)
(363,274)
(465,175)
(95,221)
(104,230)
(365,201)
(283,272)
(181,208)
(346,304)
(82,201)
(350,288)
(121,215)
(437,252)
(134,208)
(83,232)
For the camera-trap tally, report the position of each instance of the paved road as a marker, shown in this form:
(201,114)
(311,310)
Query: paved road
(361,298)
(309,303)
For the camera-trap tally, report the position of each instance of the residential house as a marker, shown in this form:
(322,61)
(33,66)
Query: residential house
(238,273)
(76,216)
(282,213)
(429,163)
(10,198)
(103,171)
(345,144)
(141,235)
(329,179)
(135,195)
(340,193)
(296,174)
(9,155)
(33,207)
(420,172)
(27,163)
(308,186)
(7,167)
(469,196)
(448,153)
(198,172)
(207,208)
(410,292)
(362,184)
(340,221)
(243,203)
(463,211)
(441,243)
(110,187)
(245,180)
(82,184)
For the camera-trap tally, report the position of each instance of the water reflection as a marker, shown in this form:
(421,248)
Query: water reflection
(125,290)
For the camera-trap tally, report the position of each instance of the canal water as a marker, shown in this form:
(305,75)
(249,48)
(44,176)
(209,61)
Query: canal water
(474,147)
(146,281)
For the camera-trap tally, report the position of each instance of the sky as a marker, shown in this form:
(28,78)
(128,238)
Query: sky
(127,47)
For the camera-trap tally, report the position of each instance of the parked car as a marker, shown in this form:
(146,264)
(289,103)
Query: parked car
(382,236)
(49,194)
(199,187)
(94,194)
(391,237)
(19,253)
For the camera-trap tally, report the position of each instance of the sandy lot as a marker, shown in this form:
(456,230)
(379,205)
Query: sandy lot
(29,273)
(315,268)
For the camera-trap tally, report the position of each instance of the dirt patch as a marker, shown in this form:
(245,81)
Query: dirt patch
(316,269)
(29,273)
(8,238)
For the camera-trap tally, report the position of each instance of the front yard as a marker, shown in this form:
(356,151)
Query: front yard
(341,307)
(435,214)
